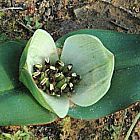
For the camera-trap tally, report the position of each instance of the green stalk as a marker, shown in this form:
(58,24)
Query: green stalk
(132,126)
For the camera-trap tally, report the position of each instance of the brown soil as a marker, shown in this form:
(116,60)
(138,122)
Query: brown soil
(59,17)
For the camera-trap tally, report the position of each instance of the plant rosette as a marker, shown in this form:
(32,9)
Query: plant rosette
(84,54)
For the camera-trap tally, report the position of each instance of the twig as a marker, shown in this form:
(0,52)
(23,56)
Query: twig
(25,26)
(121,8)
(132,126)
(11,8)
(127,11)
(119,25)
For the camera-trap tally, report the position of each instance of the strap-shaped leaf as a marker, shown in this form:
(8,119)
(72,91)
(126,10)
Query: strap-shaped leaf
(125,85)
(18,107)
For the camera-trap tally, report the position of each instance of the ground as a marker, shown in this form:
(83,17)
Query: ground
(59,17)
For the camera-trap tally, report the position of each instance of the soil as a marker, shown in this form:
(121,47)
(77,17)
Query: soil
(59,17)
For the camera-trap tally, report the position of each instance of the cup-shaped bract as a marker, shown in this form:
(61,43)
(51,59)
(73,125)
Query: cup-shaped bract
(93,62)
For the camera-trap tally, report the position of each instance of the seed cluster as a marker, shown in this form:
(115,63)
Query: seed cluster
(57,79)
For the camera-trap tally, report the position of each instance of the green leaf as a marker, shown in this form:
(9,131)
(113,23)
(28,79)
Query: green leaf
(125,85)
(93,62)
(17,106)
(39,47)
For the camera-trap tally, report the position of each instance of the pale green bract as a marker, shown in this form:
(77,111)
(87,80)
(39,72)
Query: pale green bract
(90,59)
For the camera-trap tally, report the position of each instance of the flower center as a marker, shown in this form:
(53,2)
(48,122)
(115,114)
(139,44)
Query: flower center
(57,79)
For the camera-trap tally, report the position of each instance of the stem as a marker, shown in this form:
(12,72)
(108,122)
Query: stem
(11,8)
(132,126)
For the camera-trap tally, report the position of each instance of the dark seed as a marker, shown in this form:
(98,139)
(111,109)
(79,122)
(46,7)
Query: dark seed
(57,92)
(71,85)
(78,78)
(43,82)
(44,88)
(51,87)
(68,79)
(70,67)
(47,83)
(37,67)
(53,93)
(63,87)
(74,74)
(51,79)
(67,89)
(36,74)
(43,75)
(47,62)
(60,83)
(65,70)
(59,76)
(59,64)
(52,68)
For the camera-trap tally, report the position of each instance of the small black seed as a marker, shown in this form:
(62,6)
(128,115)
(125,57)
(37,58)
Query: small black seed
(74,74)
(51,87)
(78,78)
(59,76)
(52,79)
(36,75)
(60,83)
(70,67)
(71,85)
(59,65)
(43,82)
(43,75)
(67,89)
(47,63)
(63,87)
(37,67)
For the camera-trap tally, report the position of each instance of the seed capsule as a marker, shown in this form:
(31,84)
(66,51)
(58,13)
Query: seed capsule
(52,79)
(71,85)
(44,88)
(70,67)
(43,75)
(52,68)
(47,62)
(59,76)
(67,89)
(67,70)
(43,82)
(63,87)
(78,78)
(59,64)
(51,87)
(37,67)
(60,83)
(36,74)
(74,74)
(47,83)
